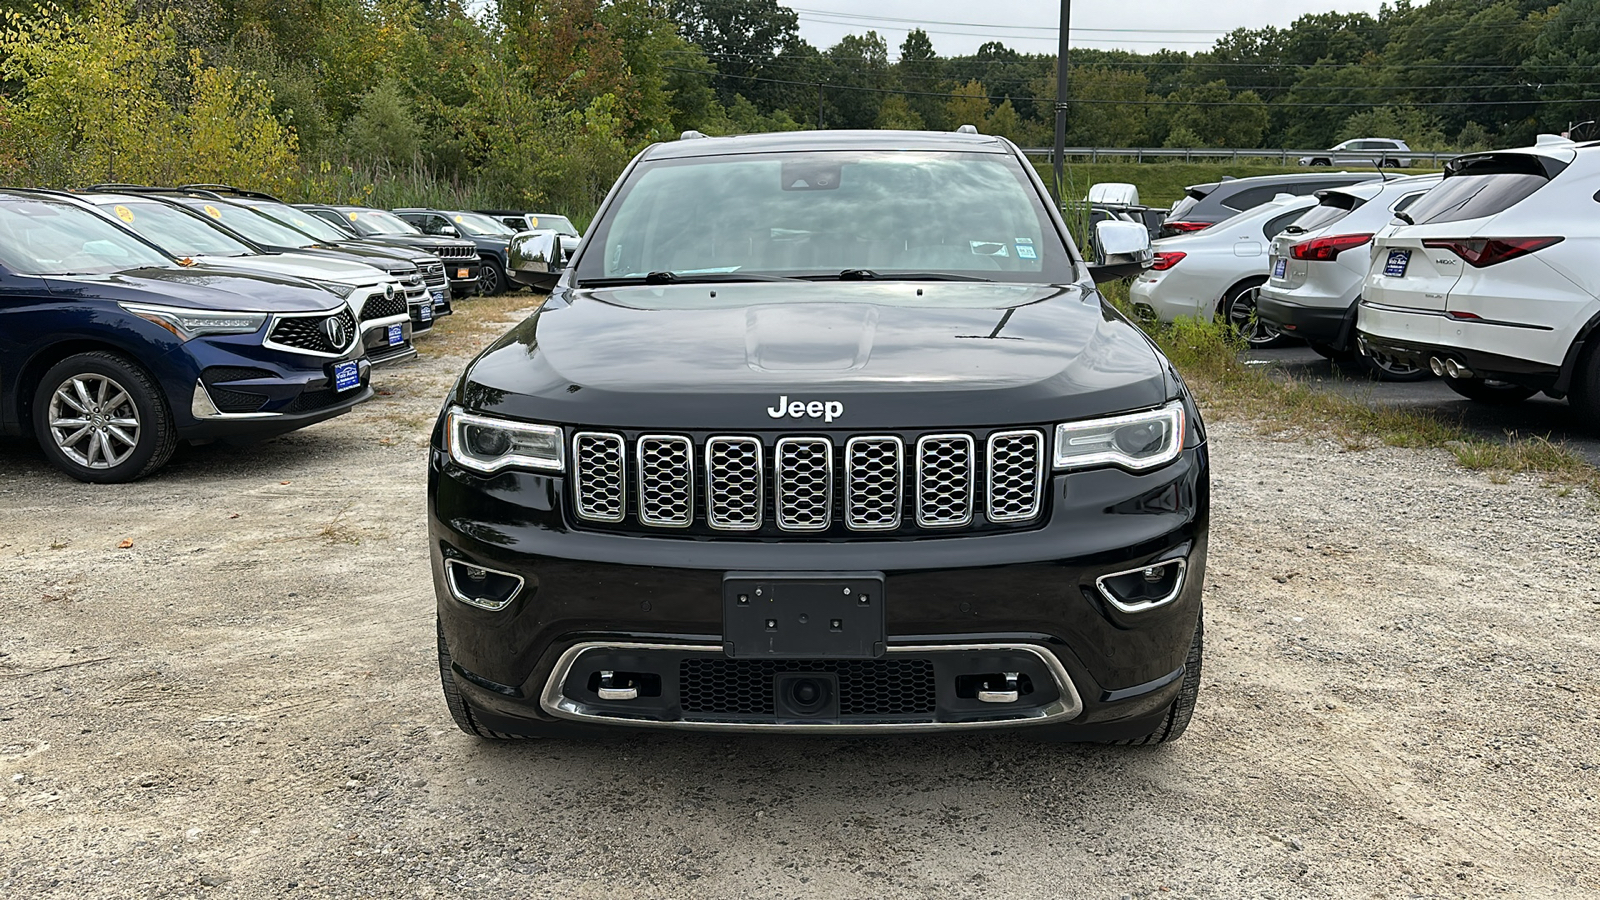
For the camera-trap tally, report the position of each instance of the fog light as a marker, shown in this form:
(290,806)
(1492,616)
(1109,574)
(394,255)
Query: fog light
(1144,588)
(481,586)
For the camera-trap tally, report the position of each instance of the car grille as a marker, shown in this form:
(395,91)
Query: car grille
(380,307)
(305,332)
(467,252)
(433,276)
(867,687)
(311,401)
(810,485)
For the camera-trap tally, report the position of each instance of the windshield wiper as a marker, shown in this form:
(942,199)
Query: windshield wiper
(679,278)
(870,275)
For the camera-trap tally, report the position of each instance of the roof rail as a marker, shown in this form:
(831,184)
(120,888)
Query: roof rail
(967,129)
(230,189)
(147,189)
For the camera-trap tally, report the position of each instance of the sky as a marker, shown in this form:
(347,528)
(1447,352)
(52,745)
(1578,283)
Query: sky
(1030,27)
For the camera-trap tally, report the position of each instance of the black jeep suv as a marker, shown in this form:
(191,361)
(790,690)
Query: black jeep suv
(824,432)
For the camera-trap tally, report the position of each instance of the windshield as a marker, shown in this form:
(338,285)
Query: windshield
(376,221)
(45,238)
(558,224)
(479,225)
(255,227)
(178,232)
(957,214)
(300,220)
(1333,208)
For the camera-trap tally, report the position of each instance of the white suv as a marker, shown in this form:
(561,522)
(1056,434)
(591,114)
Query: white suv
(1492,281)
(1318,264)
(1377,152)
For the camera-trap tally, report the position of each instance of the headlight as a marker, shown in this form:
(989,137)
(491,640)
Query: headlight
(1141,440)
(485,444)
(191,323)
(337,287)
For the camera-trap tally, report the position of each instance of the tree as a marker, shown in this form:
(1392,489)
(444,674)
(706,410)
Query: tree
(383,128)
(967,105)
(859,68)
(1109,107)
(739,36)
(920,70)
(1214,118)
(896,113)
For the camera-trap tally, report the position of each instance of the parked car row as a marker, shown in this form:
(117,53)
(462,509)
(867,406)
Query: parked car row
(133,317)
(1483,275)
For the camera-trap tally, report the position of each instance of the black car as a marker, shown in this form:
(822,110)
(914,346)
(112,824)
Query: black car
(458,257)
(111,352)
(491,236)
(1204,205)
(824,432)
(387,323)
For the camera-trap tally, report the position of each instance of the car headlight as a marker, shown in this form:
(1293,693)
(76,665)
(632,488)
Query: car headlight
(1137,441)
(336,287)
(192,323)
(486,444)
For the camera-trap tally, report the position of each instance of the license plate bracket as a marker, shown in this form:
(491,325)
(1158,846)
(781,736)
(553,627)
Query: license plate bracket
(346,375)
(775,615)
(1395,265)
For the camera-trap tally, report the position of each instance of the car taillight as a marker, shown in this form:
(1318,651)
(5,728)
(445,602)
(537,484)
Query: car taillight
(1185,227)
(1324,249)
(1167,259)
(1481,252)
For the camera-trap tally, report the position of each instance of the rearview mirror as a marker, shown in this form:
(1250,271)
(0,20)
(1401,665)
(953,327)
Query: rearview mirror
(1121,250)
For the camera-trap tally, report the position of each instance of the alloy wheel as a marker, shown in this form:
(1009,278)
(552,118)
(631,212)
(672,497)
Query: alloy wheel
(93,421)
(1242,316)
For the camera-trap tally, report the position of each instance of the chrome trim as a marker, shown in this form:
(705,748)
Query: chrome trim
(781,509)
(972,477)
(760,486)
(1038,475)
(578,466)
(201,407)
(1177,587)
(1066,707)
(688,477)
(450,582)
(898,484)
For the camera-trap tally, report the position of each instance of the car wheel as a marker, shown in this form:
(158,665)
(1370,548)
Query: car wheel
(102,419)
(1390,369)
(1489,390)
(1322,162)
(460,710)
(1585,393)
(1240,308)
(492,280)
(1176,721)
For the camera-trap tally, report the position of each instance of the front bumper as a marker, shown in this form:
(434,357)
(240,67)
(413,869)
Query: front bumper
(957,608)
(294,392)
(378,340)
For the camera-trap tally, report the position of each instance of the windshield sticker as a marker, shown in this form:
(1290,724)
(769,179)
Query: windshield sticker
(533,221)
(458,220)
(212,211)
(353,216)
(123,213)
(1025,249)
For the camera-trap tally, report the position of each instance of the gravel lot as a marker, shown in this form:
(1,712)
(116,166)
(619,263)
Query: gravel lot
(1400,699)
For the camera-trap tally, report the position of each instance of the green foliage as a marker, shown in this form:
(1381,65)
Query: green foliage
(383,128)
(1419,129)
(896,113)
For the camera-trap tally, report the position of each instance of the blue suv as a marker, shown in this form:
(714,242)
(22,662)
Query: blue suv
(111,352)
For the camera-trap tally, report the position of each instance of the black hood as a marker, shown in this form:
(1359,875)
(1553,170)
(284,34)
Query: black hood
(425,243)
(389,259)
(896,355)
(385,249)
(197,288)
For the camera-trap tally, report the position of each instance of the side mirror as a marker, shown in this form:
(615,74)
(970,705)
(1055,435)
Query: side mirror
(535,259)
(1121,250)
(449,231)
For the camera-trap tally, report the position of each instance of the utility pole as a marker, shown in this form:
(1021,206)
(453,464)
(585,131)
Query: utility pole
(1061,99)
(819,106)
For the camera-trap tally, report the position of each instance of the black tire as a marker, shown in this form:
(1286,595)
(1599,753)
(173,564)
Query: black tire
(1238,309)
(1387,369)
(491,279)
(1328,352)
(1176,721)
(460,709)
(1585,393)
(1322,162)
(127,430)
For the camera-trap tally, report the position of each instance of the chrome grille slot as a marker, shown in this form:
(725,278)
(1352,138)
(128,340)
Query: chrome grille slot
(666,480)
(874,469)
(802,473)
(599,470)
(944,480)
(734,483)
(1016,474)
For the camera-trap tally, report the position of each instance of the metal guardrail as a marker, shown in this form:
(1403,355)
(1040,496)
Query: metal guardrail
(1286,157)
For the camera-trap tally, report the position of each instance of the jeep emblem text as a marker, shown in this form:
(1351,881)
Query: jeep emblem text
(827,410)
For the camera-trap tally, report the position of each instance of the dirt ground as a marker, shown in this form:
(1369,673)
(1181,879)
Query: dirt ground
(1401,699)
